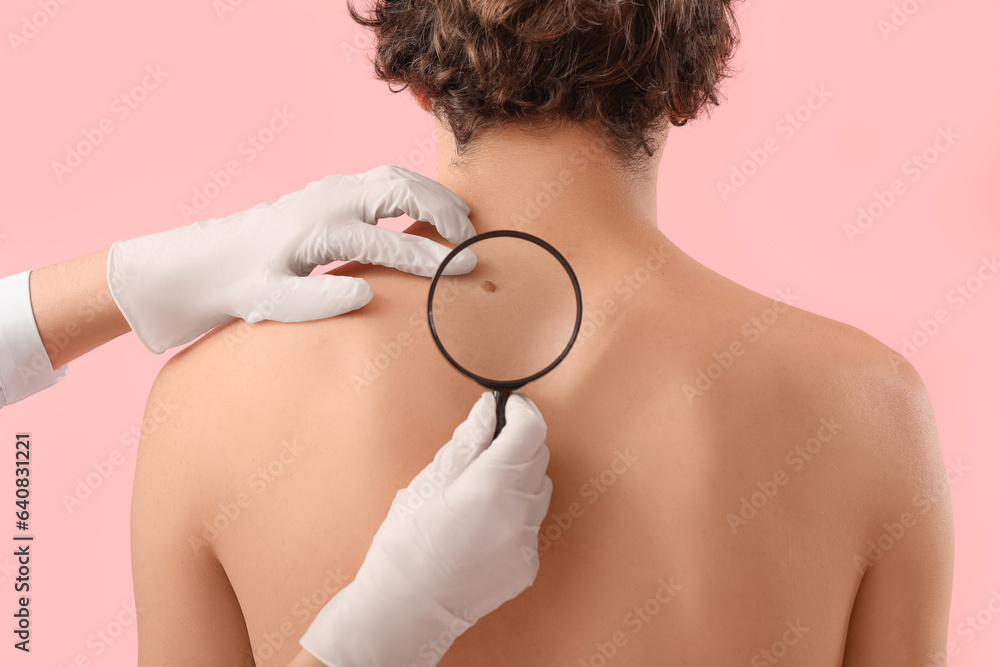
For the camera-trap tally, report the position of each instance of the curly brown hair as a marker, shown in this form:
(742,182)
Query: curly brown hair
(627,65)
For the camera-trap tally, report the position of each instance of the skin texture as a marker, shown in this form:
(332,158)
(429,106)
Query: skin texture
(293,439)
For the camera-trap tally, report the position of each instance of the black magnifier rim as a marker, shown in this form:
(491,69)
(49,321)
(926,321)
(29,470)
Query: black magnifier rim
(505,385)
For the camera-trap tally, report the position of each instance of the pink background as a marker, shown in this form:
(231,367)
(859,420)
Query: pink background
(782,229)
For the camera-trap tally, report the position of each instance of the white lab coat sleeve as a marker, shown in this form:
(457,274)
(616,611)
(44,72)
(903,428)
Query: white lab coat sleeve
(24,364)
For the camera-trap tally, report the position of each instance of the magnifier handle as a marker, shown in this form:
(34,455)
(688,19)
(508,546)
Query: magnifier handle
(501,397)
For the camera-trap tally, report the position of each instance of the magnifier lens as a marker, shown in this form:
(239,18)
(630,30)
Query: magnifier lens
(510,317)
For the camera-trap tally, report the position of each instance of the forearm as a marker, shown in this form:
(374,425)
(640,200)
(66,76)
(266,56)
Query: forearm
(73,308)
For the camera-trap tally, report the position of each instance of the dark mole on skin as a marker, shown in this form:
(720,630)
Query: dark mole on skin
(488,286)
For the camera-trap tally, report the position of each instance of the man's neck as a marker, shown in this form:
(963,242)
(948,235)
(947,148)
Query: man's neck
(564,187)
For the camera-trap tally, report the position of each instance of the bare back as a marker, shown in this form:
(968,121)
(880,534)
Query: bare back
(720,462)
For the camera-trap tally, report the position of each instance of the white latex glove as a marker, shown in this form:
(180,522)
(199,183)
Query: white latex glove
(176,285)
(458,542)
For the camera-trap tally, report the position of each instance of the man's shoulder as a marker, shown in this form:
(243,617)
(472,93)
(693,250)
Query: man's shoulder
(876,395)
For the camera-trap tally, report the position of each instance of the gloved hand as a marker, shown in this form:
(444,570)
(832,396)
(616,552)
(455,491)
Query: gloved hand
(458,542)
(176,285)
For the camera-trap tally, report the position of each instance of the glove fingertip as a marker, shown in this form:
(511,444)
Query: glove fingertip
(351,295)
(305,299)
(527,400)
(364,292)
(524,434)
(459,229)
(482,416)
(461,263)
(487,404)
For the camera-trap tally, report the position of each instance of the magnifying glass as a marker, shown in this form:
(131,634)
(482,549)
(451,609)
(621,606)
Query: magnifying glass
(510,320)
